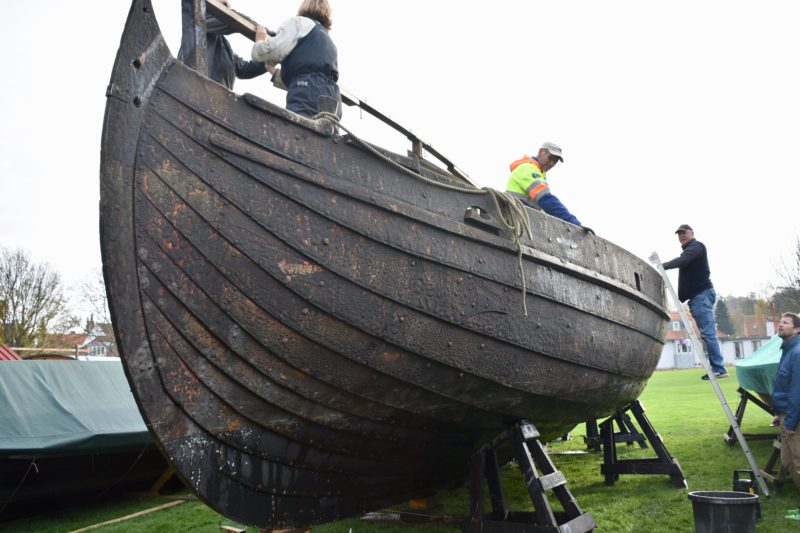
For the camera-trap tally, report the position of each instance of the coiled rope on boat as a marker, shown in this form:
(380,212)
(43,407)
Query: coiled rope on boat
(510,209)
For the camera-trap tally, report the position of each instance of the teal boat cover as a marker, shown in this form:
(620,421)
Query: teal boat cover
(757,371)
(58,407)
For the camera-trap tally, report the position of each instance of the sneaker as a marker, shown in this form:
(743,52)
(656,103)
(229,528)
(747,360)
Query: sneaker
(716,375)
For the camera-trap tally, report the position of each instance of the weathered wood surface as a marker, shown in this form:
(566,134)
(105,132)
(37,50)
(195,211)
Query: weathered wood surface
(310,333)
(231,18)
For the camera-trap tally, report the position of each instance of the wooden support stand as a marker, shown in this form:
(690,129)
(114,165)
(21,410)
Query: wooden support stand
(778,475)
(627,433)
(745,396)
(664,463)
(530,455)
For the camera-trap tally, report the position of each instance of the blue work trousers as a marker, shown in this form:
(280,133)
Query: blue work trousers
(304,92)
(702,308)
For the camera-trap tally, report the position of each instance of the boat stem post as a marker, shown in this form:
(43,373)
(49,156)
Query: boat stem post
(540,476)
(193,38)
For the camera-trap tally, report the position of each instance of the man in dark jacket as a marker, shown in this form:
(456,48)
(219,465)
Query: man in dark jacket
(786,394)
(223,65)
(694,284)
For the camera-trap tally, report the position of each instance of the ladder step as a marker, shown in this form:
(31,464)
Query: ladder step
(579,524)
(551,481)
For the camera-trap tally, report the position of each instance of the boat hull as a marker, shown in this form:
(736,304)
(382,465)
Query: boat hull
(311,332)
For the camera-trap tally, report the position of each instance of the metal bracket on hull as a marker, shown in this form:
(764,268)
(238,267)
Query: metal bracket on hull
(530,455)
(664,463)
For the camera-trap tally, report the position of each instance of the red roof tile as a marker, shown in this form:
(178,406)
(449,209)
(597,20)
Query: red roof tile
(7,354)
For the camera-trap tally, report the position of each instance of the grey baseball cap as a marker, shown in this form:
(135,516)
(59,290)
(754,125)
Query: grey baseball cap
(683,227)
(554,150)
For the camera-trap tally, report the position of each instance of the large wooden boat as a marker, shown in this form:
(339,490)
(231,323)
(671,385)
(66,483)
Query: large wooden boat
(310,331)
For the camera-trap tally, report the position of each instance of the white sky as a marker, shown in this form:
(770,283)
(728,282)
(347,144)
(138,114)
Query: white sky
(668,112)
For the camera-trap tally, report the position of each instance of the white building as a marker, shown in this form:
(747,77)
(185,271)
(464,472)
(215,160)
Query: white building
(678,351)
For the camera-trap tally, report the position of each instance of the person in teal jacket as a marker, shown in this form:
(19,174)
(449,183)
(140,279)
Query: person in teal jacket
(528,182)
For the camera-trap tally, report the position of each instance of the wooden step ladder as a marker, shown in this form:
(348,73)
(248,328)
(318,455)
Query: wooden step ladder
(530,455)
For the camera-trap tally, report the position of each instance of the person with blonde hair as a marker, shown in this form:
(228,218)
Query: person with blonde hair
(307,57)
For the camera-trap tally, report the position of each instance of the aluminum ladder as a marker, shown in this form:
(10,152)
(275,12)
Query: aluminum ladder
(698,346)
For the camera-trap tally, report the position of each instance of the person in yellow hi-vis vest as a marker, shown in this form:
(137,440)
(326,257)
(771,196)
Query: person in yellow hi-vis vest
(528,182)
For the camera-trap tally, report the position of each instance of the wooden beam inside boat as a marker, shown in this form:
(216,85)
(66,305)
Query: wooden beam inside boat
(193,38)
(234,20)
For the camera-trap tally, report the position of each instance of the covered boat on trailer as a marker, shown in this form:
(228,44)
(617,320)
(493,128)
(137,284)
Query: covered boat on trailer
(310,331)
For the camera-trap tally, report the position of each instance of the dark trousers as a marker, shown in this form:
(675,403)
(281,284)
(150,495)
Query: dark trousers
(302,96)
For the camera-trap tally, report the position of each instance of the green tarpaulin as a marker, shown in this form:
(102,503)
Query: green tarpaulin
(56,407)
(757,371)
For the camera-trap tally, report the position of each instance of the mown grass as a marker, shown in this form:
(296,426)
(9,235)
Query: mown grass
(683,409)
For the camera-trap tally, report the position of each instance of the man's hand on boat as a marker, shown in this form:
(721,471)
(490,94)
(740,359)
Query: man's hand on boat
(587,229)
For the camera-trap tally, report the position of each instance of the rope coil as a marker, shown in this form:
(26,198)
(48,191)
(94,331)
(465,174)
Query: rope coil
(510,210)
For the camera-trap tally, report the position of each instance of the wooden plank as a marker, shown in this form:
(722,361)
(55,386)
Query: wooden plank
(233,19)
(130,516)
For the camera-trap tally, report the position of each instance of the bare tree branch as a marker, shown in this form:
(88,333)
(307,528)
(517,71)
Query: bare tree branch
(787,290)
(32,299)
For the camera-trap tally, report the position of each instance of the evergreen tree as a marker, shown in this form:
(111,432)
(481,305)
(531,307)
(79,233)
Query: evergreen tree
(724,322)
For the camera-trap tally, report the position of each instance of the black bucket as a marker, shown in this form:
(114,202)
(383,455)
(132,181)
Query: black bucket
(724,511)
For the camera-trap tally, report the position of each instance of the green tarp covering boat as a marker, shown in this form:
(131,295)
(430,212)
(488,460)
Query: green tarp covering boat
(70,433)
(757,371)
(56,407)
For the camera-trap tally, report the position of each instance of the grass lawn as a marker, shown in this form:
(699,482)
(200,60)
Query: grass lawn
(683,409)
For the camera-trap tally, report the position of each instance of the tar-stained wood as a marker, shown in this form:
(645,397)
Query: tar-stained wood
(193,37)
(311,333)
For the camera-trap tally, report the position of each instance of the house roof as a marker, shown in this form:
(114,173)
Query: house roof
(66,340)
(7,354)
(754,326)
(681,333)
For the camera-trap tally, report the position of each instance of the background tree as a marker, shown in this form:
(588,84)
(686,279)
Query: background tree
(93,298)
(787,286)
(724,318)
(33,300)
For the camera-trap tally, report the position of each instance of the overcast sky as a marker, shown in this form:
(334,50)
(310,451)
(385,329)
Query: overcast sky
(667,112)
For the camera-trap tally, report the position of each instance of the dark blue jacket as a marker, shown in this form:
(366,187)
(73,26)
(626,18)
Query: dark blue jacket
(223,65)
(551,205)
(786,392)
(694,274)
(313,53)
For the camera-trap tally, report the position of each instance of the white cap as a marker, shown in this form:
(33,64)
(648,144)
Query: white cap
(554,150)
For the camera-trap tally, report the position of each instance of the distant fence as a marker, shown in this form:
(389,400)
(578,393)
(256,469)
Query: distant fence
(28,352)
